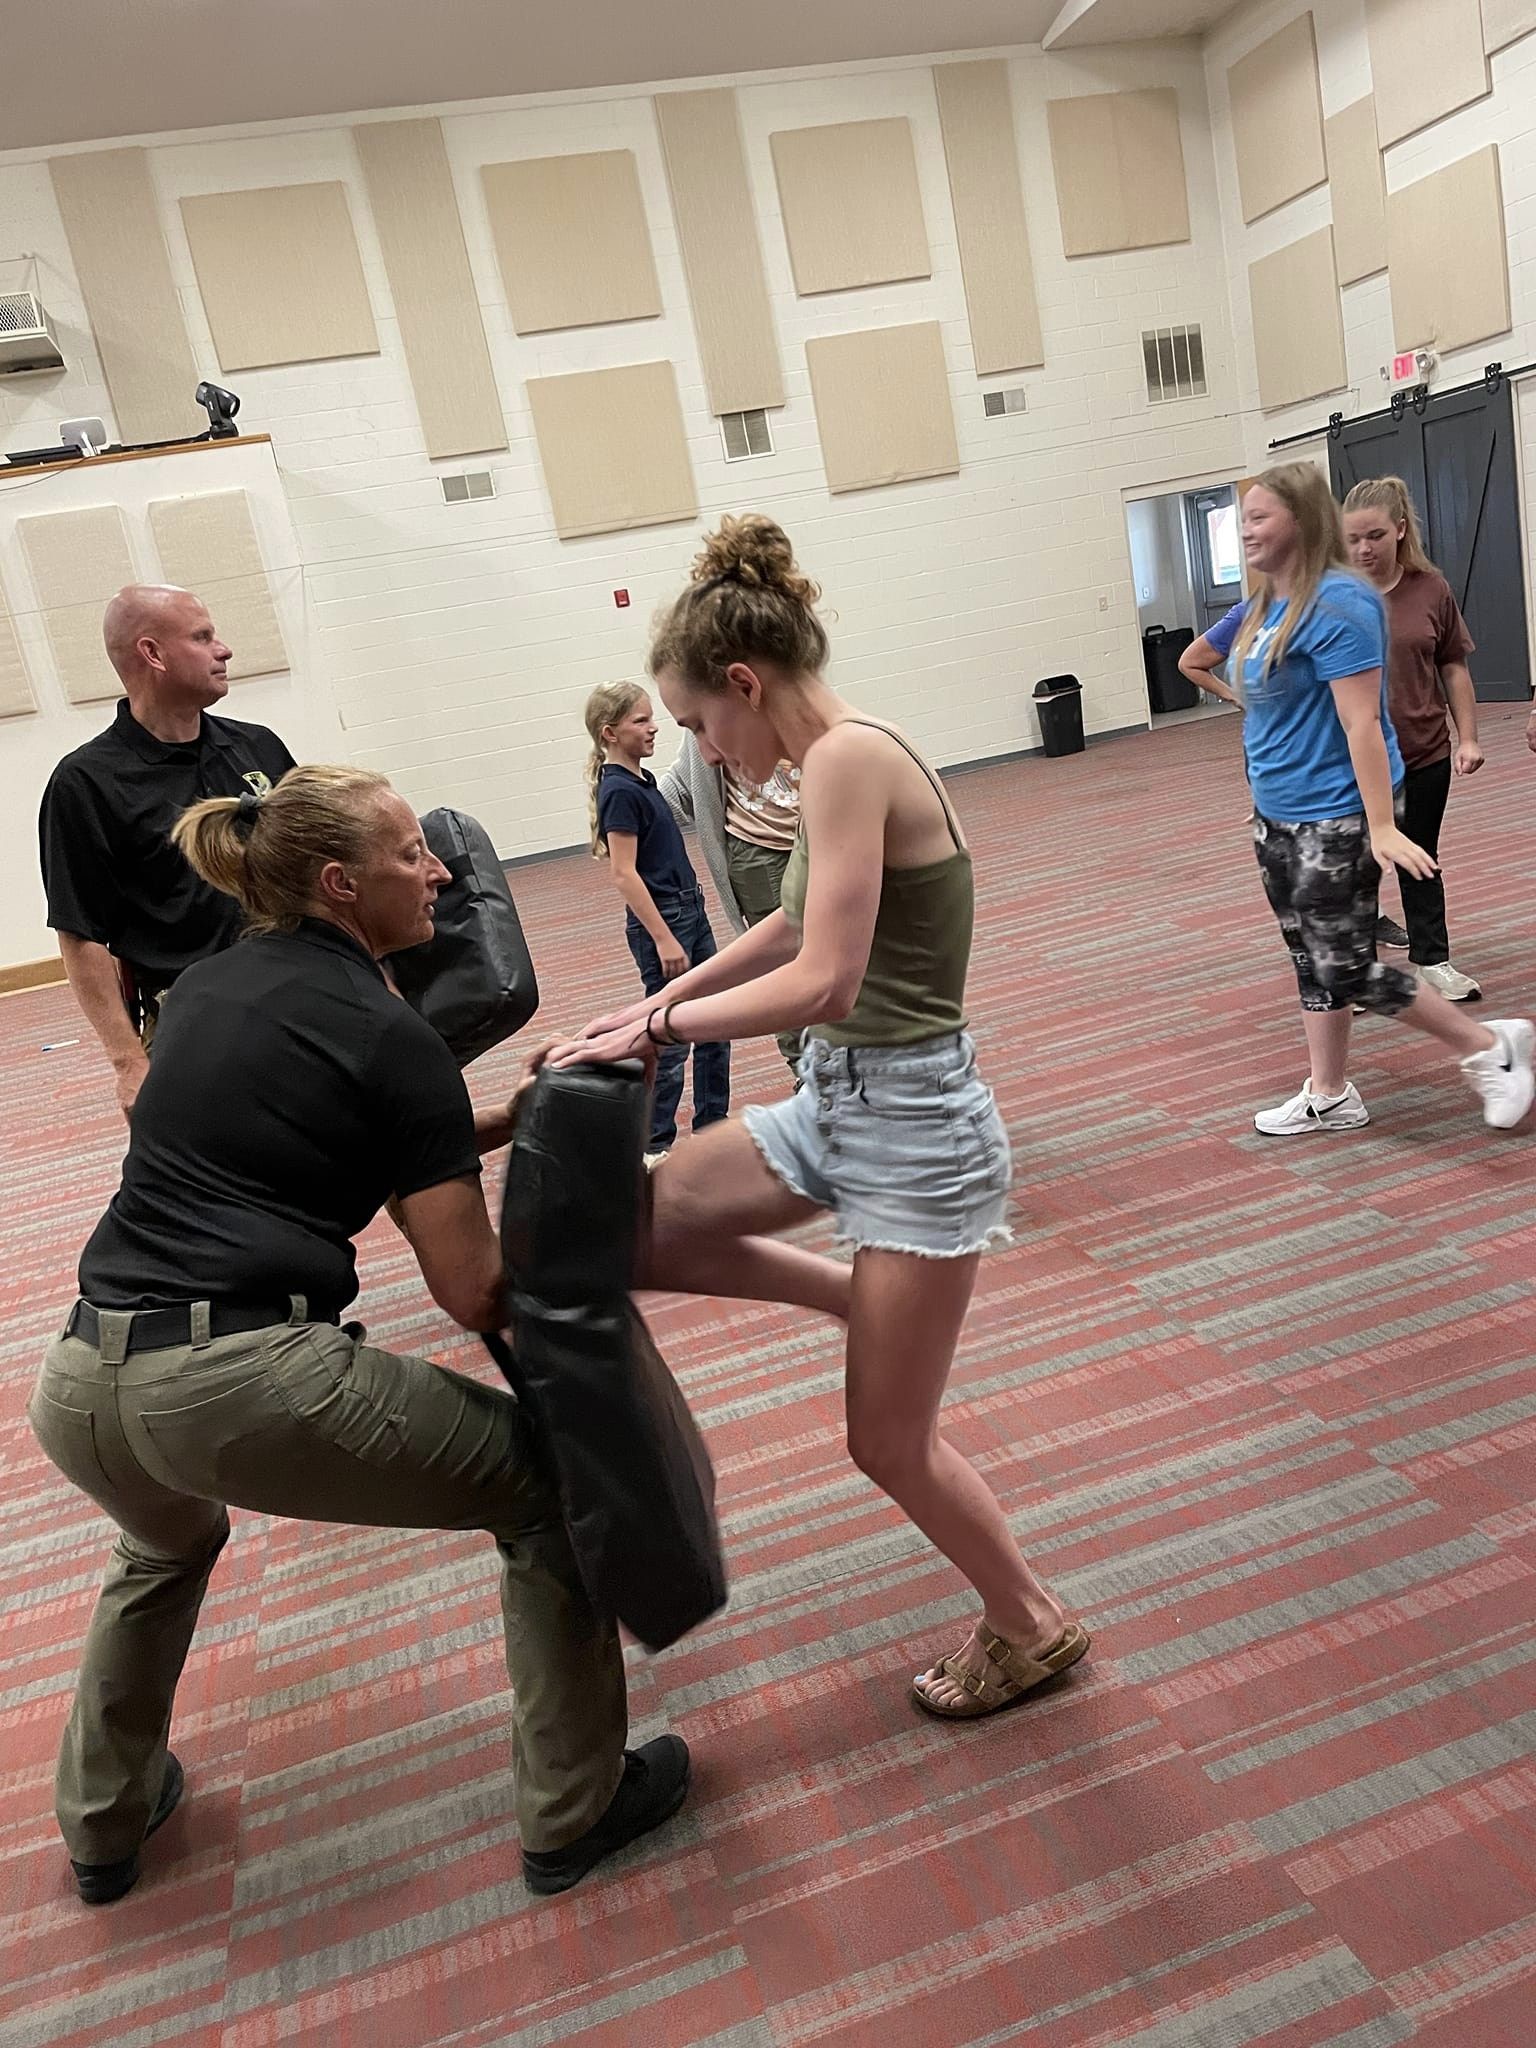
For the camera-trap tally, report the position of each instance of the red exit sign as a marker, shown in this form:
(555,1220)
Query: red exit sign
(1404,367)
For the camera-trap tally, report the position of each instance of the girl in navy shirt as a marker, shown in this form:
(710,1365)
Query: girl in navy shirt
(665,923)
(1326,774)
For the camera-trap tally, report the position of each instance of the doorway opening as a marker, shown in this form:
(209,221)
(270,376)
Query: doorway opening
(1187,566)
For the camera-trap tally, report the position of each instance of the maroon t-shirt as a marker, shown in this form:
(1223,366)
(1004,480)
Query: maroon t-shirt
(1427,632)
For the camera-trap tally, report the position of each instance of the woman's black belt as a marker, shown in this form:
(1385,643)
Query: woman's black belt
(162,1329)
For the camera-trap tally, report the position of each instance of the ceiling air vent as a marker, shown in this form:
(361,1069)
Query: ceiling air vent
(997,404)
(744,434)
(460,488)
(1175,363)
(27,341)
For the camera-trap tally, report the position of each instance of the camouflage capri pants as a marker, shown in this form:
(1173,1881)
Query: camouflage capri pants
(1322,881)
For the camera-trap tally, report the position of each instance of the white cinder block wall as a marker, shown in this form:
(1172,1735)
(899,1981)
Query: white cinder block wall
(1507,116)
(459,641)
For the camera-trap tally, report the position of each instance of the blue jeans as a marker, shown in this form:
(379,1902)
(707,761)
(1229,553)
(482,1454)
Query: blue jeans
(688,921)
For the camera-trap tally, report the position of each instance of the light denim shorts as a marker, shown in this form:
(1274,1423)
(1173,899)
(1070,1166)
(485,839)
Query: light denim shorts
(903,1144)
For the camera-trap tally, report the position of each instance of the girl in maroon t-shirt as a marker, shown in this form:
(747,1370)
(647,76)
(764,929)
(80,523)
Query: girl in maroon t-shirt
(1427,678)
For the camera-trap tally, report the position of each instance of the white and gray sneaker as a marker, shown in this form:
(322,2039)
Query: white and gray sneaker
(1502,1075)
(1309,1112)
(1450,982)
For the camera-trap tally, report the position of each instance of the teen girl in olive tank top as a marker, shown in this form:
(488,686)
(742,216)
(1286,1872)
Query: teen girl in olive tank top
(891,1127)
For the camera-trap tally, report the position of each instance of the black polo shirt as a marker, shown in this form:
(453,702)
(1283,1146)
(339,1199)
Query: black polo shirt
(109,869)
(291,1093)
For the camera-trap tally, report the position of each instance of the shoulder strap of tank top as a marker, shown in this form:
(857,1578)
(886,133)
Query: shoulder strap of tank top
(937,786)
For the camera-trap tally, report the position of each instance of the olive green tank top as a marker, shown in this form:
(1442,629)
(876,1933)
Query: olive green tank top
(914,985)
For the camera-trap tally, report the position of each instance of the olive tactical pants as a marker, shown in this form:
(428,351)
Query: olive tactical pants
(303,1419)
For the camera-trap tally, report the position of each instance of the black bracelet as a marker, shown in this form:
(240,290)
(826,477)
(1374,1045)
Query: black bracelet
(650,1034)
(671,1037)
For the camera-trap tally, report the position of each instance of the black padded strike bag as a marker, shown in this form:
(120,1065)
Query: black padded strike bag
(473,979)
(636,1485)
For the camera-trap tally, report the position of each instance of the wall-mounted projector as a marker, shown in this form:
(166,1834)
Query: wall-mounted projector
(27,341)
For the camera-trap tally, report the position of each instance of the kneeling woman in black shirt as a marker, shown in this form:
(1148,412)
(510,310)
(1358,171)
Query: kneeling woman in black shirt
(292,1094)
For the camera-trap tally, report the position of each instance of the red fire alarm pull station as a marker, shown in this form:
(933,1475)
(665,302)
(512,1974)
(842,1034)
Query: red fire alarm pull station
(621,599)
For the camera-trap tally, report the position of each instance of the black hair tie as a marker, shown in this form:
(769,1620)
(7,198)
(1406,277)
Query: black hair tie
(247,810)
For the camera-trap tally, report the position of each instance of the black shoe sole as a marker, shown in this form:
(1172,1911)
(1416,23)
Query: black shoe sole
(102,1884)
(559,1876)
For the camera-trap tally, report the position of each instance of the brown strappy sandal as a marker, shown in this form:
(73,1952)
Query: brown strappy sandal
(1021,1674)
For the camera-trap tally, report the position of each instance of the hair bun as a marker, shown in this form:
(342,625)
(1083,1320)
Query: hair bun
(754,550)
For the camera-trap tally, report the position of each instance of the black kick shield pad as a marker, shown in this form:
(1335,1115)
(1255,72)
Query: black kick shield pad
(473,979)
(636,1485)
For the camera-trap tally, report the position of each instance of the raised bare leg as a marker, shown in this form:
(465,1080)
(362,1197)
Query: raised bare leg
(715,1207)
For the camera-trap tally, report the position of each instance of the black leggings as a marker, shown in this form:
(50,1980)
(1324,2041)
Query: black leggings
(1425,794)
(1322,881)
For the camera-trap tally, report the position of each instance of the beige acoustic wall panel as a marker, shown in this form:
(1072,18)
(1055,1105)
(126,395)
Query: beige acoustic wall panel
(853,214)
(78,560)
(982,152)
(572,240)
(280,275)
(1358,191)
(1427,59)
(207,543)
(883,408)
(1298,323)
(1448,256)
(1505,21)
(410,190)
(1277,119)
(112,218)
(1119,164)
(613,449)
(16,693)
(722,256)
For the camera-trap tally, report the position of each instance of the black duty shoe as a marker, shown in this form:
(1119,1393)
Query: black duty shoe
(653,1787)
(1390,933)
(100,1883)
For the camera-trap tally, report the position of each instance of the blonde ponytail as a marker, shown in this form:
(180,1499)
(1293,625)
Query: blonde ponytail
(608,703)
(267,851)
(1391,496)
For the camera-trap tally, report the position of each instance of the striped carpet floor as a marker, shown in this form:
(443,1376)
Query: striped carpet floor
(1265,1413)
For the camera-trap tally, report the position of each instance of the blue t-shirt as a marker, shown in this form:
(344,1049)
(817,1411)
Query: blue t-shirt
(1224,632)
(632,803)
(1298,756)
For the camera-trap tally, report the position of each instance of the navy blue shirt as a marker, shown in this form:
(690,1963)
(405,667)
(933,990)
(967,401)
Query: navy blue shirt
(632,803)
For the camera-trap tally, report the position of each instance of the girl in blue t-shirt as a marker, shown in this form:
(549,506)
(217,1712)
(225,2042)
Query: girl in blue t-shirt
(666,922)
(1325,769)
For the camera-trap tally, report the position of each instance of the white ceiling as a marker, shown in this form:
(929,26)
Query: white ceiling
(79,70)
(86,70)
(1081,22)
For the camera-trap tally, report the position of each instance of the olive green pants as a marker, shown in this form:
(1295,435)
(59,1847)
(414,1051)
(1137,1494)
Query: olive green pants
(303,1419)
(757,878)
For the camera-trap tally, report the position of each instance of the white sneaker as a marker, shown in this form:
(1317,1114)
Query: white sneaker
(1455,986)
(1502,1075)
(1309,1112)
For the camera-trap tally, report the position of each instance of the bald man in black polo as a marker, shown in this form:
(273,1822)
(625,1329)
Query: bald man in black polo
(129,912)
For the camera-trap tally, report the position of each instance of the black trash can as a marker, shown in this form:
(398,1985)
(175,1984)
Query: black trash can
(1059,706)
(1167,690)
